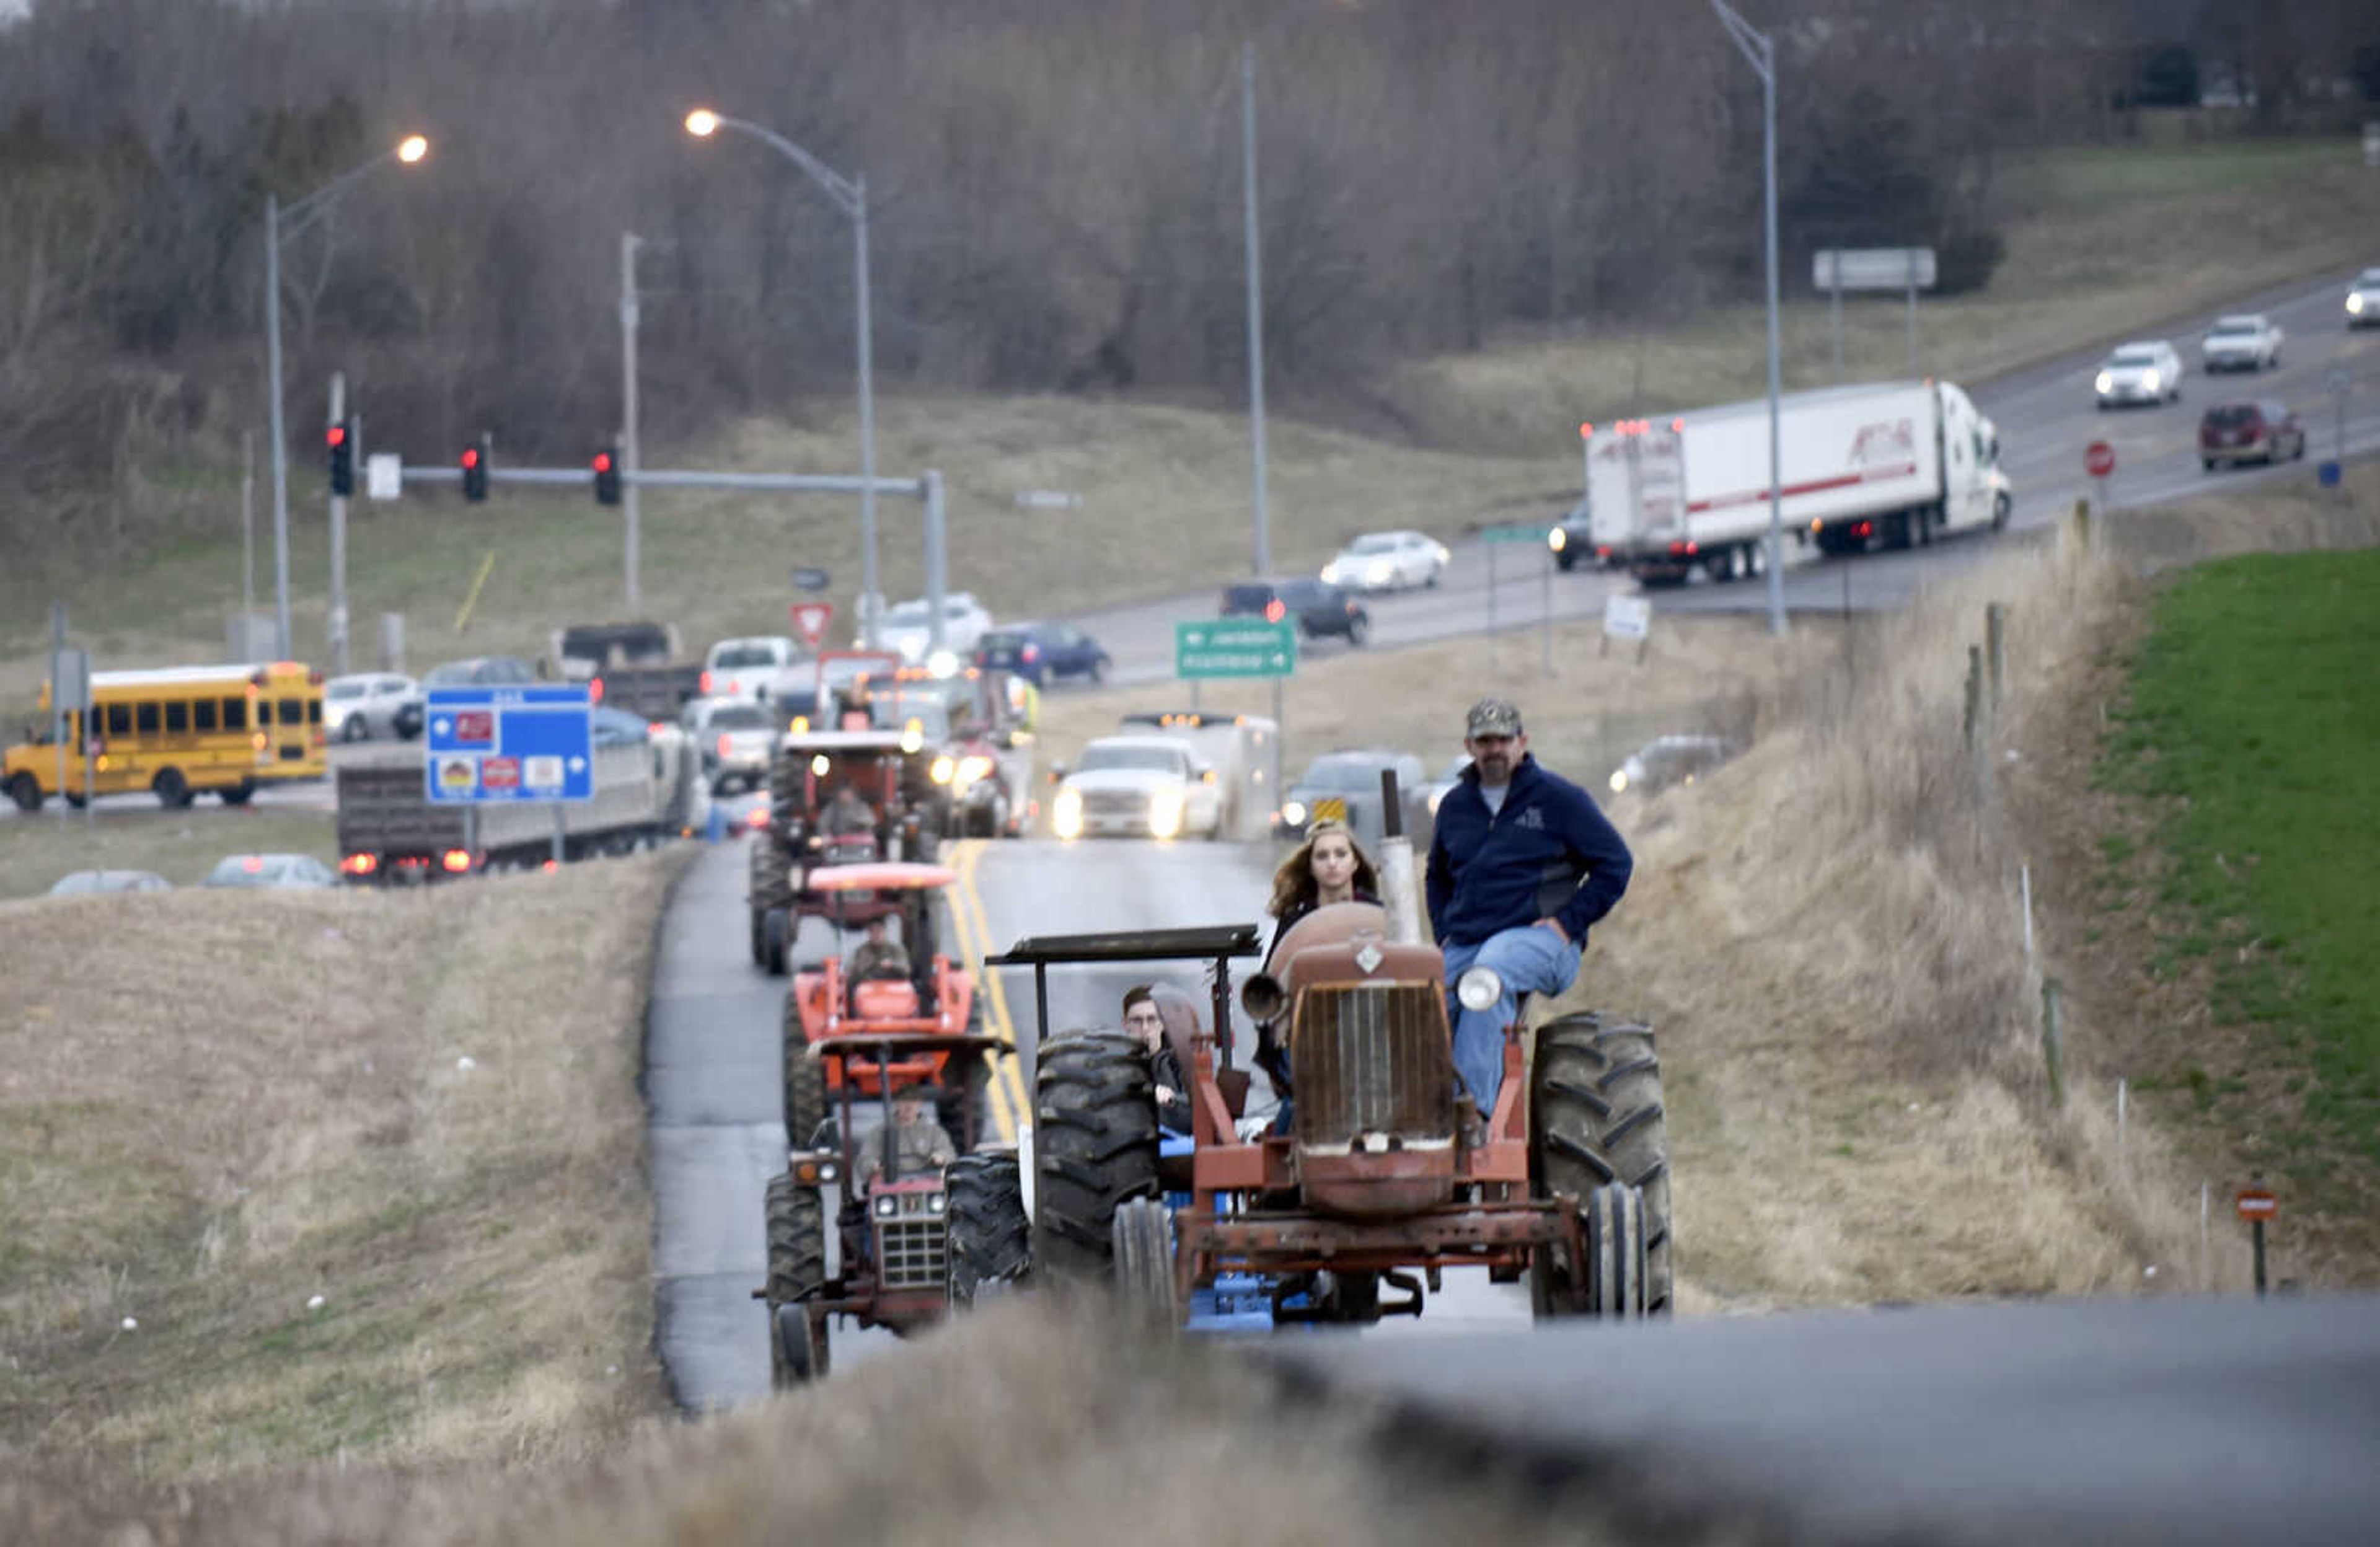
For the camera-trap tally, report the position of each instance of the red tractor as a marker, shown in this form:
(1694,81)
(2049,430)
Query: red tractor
(1383,1176)
(914,1230)
(836,797)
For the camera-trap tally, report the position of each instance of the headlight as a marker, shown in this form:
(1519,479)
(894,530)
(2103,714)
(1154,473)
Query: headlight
(1066,814)
(1378,572)
(820,763)
(942,769)
(935,1202)
(886,1206)
(2106,383)
(1165,813)
(2355,304)
(942,664)
(1294,813)
(971,769)
(1478,988)
(913,735)
(1558,540)
(2149,380)
(1619,780)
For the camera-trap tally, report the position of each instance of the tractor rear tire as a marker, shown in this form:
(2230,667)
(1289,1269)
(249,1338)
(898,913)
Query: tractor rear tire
(768,887)
(1094,1149)
(805,1080)
(1596,1119)
(1141,1242)
(991,1240)
(797,1221)
(1615,1232)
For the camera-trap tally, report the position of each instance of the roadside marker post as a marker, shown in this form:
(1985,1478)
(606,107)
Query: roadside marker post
(2256,1204)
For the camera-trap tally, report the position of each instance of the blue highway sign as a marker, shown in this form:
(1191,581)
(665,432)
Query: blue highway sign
(485,745)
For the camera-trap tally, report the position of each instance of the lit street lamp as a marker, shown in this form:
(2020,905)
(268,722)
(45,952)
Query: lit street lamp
(1760,51)
(407,151)
(850,195)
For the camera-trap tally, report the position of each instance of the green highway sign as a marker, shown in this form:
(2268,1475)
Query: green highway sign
(1514,535)
(1235,647)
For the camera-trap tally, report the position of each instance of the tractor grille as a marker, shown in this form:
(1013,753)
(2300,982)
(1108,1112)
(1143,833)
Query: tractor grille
(1372,1058)
(911,1254)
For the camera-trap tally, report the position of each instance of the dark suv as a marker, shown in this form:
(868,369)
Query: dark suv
(483,670)
(1317,607)
(1041,651)
(2252,432)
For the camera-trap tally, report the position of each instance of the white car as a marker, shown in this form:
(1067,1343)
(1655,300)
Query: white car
(2363,300)
(1138,786)
(750,669)
(360,707)
(909,627)
(736,738)
(1388,561)
(2249,342)
(2148,372)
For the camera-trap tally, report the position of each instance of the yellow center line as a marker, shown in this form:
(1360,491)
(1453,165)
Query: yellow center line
(1010,1074)
(967,923)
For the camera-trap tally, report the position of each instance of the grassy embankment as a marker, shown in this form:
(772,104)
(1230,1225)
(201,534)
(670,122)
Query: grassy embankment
(1165,488)
(420,1107)
(181,846)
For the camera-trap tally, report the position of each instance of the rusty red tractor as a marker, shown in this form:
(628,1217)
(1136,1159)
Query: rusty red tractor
(908,1231)
(1381,1176)
(808,835)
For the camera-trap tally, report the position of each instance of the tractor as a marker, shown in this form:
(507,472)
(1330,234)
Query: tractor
(1381,1176)
(804,840)
(908,1242)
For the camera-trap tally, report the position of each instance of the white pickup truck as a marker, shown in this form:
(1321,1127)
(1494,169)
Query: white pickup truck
(1151,786)
(758,668)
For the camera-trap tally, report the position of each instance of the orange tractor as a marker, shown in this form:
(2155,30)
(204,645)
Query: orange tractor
(909,1224)
(1381,1176)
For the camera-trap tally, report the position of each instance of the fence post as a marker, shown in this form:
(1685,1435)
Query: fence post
(2082,523)
(1996,646)
(2053,1037)
(1974,697)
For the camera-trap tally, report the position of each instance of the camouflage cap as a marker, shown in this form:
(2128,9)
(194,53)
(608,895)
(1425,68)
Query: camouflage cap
(1493,717)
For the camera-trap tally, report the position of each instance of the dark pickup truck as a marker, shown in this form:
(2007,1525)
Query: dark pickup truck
(634,666)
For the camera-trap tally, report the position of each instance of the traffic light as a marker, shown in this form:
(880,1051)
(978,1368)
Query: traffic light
(475,473)
(342,458)
(607,476)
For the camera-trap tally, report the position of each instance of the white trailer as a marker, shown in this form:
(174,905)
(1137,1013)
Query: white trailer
(1891,464)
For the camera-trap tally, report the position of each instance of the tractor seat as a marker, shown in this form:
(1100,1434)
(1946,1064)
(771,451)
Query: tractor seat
(884,999)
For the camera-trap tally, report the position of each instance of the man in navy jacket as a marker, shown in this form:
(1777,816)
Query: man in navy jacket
(1521,863)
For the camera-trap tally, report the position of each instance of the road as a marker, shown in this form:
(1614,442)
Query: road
(2168,1421)
(2045,419)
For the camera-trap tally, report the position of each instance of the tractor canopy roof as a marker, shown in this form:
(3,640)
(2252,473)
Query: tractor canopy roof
(889,875)
(1200,943)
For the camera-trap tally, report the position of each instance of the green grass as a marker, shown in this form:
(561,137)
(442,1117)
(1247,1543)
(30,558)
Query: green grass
(2254,710)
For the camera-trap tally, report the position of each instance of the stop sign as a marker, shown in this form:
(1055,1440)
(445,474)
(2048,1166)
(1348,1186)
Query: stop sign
(2099,460)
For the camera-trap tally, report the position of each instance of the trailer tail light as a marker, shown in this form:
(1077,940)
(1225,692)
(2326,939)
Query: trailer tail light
(359,864)
(548,867)
(455,862)
(724,742)
(1677,426)
(1685,550)
(1274,611)
(253,864)
(1031,654)
(1863,529)
(1587,432)
(1603,552)
(705,684)
(595,690)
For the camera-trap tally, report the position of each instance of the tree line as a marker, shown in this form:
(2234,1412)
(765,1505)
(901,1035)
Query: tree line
(1055,189)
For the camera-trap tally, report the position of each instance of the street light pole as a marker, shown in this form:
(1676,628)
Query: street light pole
(409,151)
(850,196)
(1256,305)
(1759,49)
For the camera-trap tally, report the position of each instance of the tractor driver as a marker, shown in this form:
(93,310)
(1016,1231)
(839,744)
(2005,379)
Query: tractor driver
(1521,863)
(879,958)
(918,1142)
(1142,1019)
(848,815)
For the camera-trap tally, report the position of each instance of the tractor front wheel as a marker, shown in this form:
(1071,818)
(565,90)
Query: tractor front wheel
(805,1080)
(1596,1121)
(1094,1149)
(991,1240)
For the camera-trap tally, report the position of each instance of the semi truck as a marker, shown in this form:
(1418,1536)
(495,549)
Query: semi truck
(646,788)
(1890,464)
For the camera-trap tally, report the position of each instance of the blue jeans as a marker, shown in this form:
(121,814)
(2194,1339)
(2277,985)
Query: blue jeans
(1531,960)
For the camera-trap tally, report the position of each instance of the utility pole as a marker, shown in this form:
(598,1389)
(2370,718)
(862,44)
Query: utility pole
(246,530)
(1759,49)
(338,609)
(280,447)
(1263,553)
(628,318)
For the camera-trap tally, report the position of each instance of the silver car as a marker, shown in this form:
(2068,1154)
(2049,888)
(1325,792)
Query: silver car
(2363,300)
(2249,342)
(359,707)
(1388,561)
(83,882)
(272,871)
(2142,373)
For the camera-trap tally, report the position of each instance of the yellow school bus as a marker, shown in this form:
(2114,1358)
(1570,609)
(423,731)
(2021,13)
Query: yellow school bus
(175,732)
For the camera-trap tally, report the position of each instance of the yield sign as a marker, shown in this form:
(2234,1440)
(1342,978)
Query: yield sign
(810,619)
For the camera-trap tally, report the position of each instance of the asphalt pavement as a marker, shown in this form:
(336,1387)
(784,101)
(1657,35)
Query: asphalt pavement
(2046,417)
(2168,1421)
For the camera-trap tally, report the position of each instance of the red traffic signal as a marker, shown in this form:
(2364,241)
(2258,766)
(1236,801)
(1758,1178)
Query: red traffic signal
(607,477)
(475,473)
(342,458)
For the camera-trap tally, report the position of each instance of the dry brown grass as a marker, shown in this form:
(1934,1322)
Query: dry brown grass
(217,1105)
(181,846)
(1028,1424)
